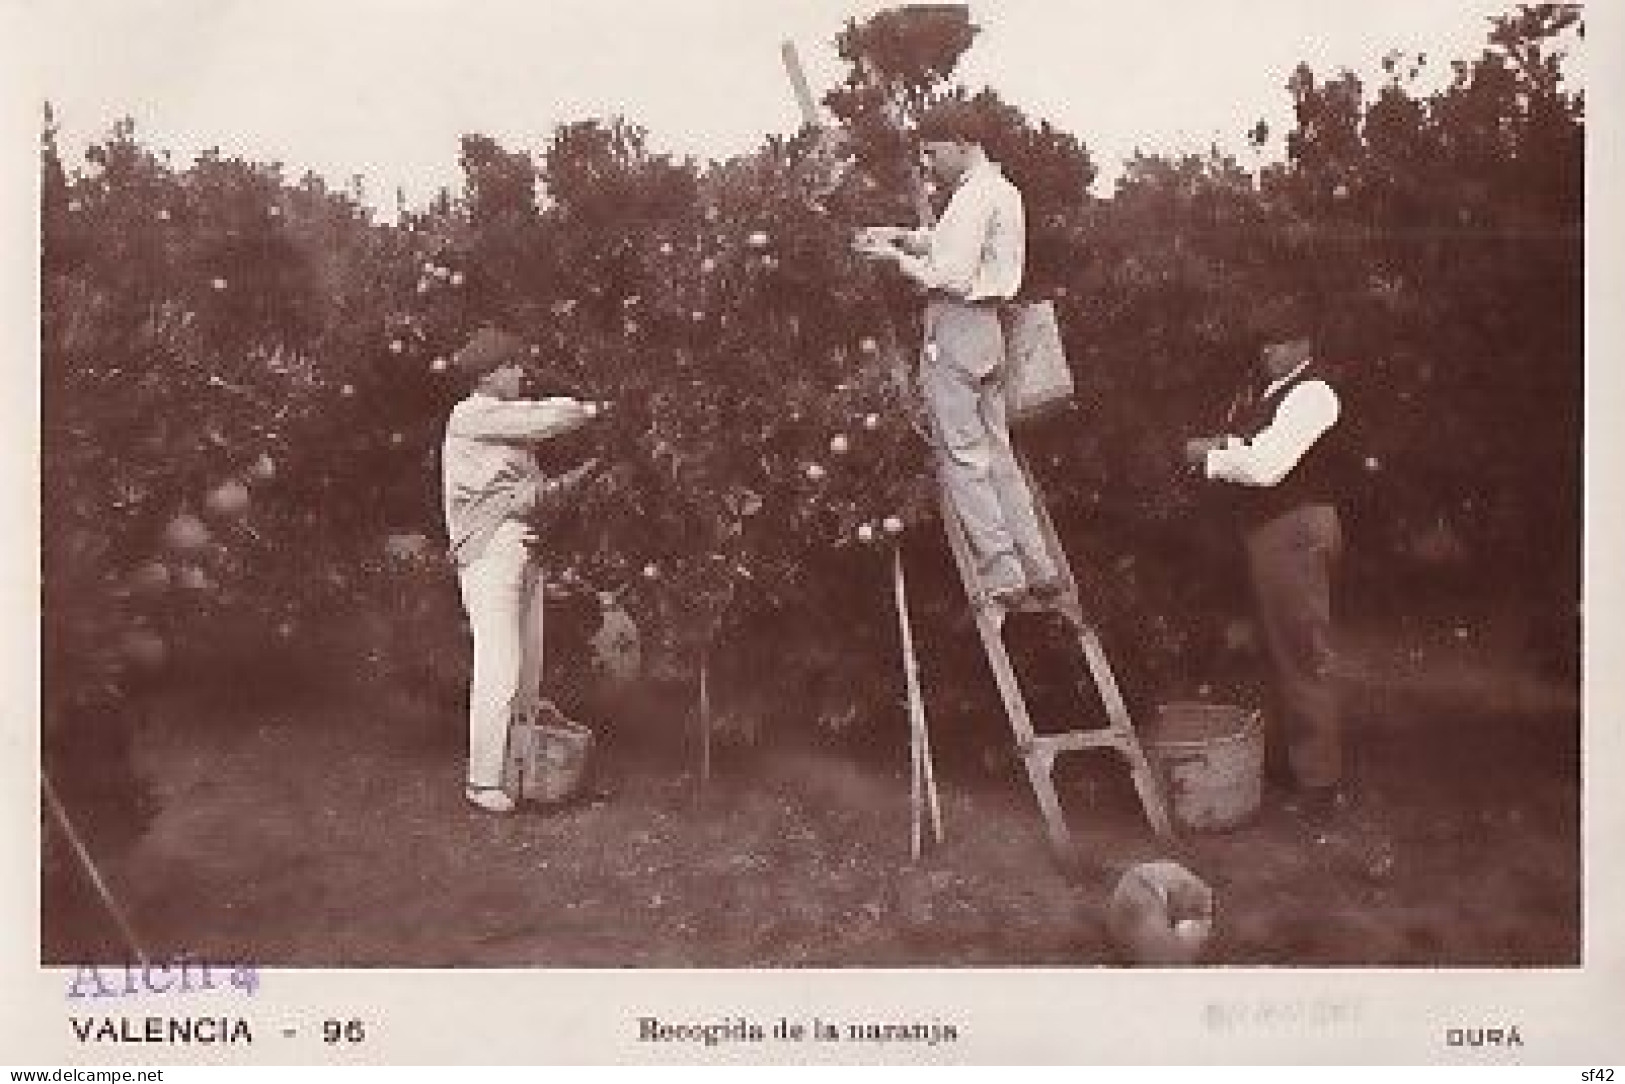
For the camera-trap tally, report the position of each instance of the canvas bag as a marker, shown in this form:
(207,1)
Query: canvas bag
(1040,380)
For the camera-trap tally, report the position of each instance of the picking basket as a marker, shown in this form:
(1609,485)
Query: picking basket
(1040,378)
(548,755)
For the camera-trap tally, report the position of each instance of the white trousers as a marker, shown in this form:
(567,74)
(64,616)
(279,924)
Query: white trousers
(962,378)
(502,594)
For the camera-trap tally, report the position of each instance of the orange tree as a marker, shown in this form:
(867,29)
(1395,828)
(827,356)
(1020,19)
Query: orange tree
(1444,232)
(196,341)
(756,446)
(759,456)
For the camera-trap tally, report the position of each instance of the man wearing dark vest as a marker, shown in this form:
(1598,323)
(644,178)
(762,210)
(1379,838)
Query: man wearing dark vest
(1279,460)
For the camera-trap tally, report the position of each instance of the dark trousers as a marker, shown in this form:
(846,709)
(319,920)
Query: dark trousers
(1291,559)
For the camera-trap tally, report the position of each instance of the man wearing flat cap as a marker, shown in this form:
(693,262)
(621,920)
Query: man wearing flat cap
(491,485)
(969,264)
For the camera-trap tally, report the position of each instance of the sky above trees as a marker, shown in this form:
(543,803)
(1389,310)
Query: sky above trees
(383,88)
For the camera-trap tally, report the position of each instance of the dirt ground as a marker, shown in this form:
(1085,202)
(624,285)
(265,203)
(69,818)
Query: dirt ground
(326,828)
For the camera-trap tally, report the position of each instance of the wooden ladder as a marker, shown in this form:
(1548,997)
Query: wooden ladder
(1038,751)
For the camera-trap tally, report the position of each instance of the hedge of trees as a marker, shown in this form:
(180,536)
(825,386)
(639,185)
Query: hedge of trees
(245,373)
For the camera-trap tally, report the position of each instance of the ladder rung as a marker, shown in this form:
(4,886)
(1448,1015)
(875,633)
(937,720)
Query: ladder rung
(1039,751)
(1064,606)
(1075,740)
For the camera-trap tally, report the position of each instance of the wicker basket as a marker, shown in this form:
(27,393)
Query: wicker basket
(548,754)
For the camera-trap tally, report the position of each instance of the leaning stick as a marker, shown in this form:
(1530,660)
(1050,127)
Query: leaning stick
(919,734)
(916,803)
(798,84)
(922,771)
(88,864)
(705,720)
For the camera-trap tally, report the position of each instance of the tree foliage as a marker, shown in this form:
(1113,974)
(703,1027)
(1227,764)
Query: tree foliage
(221,326)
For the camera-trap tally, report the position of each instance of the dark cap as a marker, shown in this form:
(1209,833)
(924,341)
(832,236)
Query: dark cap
(952,120)
(1284,318)
(487,350)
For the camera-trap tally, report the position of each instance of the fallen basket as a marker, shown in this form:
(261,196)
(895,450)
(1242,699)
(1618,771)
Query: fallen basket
(548,754)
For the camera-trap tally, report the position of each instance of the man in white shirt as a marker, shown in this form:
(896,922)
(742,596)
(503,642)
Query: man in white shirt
(1281,456)
(491,485)
(969,264)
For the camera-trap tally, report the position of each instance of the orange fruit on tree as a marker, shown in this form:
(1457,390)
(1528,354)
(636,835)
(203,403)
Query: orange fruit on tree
(228,499)
(186,533)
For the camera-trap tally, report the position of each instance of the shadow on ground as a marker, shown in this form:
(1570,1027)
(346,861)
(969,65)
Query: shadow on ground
(331,832)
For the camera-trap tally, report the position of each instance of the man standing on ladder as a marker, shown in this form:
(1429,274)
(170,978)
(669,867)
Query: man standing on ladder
(969,264)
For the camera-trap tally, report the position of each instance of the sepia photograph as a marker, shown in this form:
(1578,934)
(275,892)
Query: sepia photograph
(746,490)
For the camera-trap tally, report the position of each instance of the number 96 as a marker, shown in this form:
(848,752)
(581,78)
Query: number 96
(343,1031)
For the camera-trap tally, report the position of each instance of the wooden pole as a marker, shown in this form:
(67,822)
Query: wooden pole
(705,719)
(86,863)
(927,217)
(798,84)
(933,799)
(924,776)
(911,681)
(916,801)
